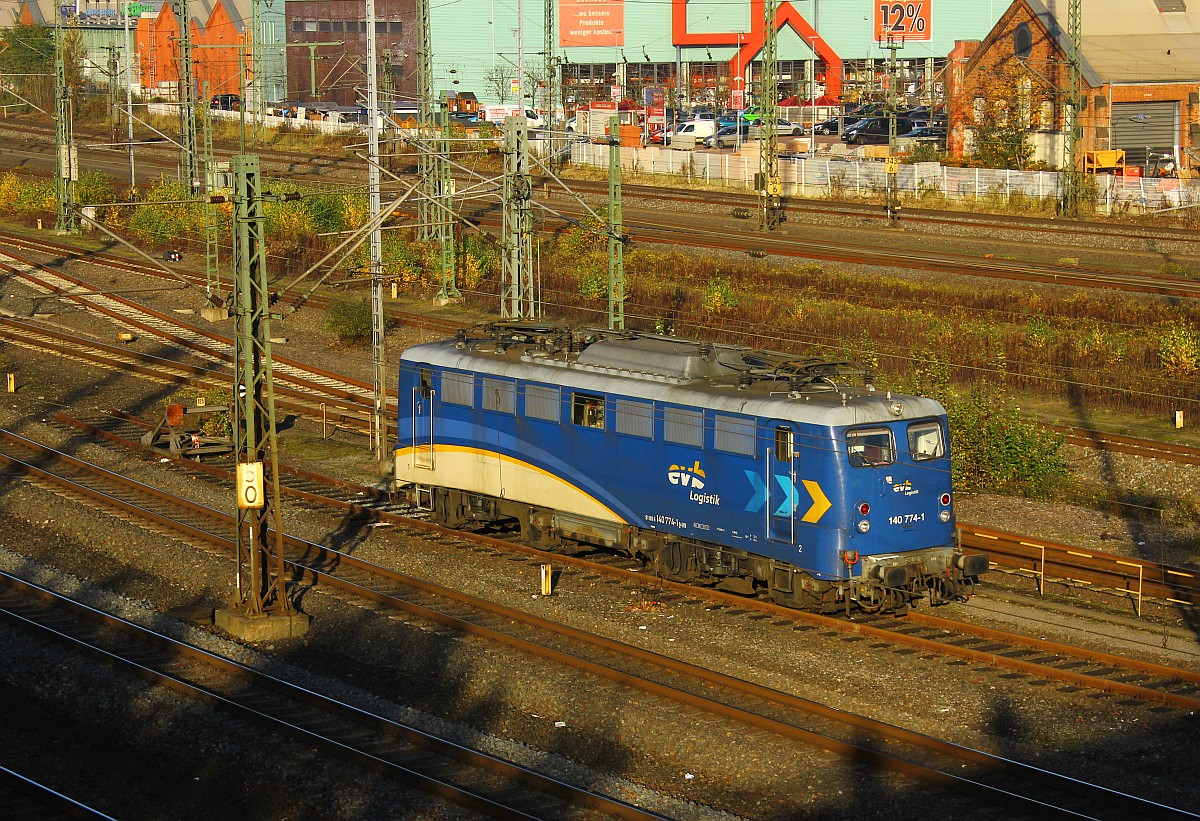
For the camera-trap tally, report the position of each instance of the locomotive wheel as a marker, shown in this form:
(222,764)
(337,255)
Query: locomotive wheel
(447,509)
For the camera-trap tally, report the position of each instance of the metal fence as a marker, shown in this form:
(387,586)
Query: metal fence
(837,175)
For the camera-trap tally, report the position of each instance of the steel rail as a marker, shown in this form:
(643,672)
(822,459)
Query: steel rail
(1056,786)
(1125,575)
(894,633)
(357,752)
(318,558)
(26,799)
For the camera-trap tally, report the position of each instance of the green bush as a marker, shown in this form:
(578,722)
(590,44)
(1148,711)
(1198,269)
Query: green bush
(994,450)
(350,321)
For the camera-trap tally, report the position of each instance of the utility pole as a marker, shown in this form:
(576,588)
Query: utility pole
(892,168)
(66,221)
(215,308)
(129,100)
(425,166)
(378,318)
(519,298)
(551,70)
(189,163)
(770,186)
(262,609)
(445,211)
(616,247)
(111,72)
(1072,111)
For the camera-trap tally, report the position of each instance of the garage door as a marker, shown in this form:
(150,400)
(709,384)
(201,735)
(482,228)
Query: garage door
(1139,128)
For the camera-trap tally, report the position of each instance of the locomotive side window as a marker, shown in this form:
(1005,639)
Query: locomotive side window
(587,410)
(499,396)
(541,402)
(458,388)
(784,447)
(925,441)
(870,447)
(634,418)
(426,382)
(684,427)
(734,434)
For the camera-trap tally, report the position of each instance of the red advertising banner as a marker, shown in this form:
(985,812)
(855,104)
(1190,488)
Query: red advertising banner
(899,22)
(591,23)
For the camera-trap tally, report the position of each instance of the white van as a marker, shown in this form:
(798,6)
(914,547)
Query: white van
(692,132)
(496,114)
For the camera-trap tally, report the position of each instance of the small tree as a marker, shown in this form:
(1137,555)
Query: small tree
(1007,106)
(497,81)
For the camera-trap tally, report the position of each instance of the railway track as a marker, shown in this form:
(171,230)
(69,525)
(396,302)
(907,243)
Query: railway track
(444,768)
(27,800)
(962,774)
(1071,665)
(359,392)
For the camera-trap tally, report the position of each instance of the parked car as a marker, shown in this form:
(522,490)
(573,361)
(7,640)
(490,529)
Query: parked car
(926,134)
(874,131)
(783,128)
(727,136)
(830,126)
(693,130)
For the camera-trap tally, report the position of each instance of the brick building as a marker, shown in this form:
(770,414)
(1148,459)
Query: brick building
(1140,72)
(339,71)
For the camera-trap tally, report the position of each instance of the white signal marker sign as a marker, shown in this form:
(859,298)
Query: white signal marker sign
(249,485)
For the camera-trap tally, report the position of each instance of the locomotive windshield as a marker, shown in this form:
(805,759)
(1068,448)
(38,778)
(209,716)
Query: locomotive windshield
(925,441)
(870,447)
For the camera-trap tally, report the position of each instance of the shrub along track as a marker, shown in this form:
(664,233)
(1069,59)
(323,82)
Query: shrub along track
(965,777)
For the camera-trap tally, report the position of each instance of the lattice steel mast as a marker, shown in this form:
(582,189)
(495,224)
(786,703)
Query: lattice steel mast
(616,229)
(519,298)
(445,210)
(66,220)
(1072,111)
(189,162)
(261,578)
(770,187)
(425,165)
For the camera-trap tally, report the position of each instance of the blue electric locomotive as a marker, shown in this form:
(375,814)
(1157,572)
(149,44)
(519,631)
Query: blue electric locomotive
(749,470)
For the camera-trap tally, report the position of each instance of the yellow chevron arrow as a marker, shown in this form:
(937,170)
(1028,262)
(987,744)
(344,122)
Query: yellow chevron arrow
(820,503)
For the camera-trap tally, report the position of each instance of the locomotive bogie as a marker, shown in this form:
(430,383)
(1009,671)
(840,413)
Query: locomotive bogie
(745,470)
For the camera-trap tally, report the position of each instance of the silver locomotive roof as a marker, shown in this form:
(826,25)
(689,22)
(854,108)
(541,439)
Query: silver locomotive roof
(727,378)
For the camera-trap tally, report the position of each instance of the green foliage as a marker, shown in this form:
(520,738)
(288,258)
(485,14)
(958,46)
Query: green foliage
(994,450)
(719,295)
(164,219)
(211,424)
(326,212)
(350,321)
(93,188)
(478,261)
(27,56)
(593,283)
(1179,349)
(23,198)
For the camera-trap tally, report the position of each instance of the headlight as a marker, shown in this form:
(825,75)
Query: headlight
(944,515)
(864,526)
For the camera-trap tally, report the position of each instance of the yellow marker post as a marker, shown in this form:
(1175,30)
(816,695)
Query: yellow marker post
(12,383)
(1178,420)
(547,579)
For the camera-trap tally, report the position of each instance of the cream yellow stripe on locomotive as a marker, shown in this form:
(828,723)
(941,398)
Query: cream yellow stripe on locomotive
(492,474)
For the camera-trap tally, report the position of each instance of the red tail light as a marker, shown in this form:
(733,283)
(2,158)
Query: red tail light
(863,508)
(945,499)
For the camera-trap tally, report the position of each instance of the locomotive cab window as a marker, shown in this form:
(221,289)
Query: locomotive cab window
(785,448)
(426,382)
(870,447)
(587,410)
(458,388)
(541,402)
(925,441)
